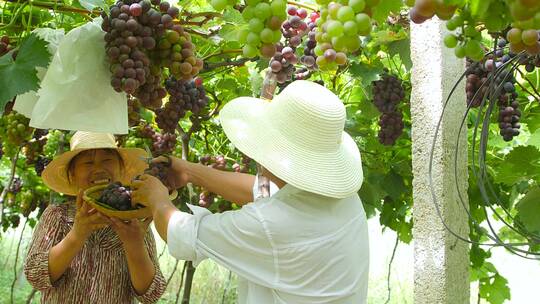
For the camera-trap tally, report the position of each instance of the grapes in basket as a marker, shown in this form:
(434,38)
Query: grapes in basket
(117,196)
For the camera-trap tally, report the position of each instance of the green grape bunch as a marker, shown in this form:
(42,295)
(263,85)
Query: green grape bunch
(263,31)
(339,28)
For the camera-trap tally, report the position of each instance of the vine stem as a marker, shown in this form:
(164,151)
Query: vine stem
(64,8)
(172,273)
(189,282)
(181,283)
(17,259)
(9,183)
(390,270)
(162,252)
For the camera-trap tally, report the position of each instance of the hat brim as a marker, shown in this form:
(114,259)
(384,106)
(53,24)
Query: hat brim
(248,127)
(55,175)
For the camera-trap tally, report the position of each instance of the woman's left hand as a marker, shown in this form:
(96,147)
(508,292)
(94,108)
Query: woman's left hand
(130,232)
(149,191)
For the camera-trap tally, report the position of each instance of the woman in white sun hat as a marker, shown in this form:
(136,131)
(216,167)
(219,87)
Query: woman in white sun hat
(78,255)
(307,242)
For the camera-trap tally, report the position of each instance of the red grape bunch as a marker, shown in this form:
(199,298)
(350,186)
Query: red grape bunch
(16,185)
(388,92)
(284,58)
(117,196)
(282,63)
(206,198)
(126,37)
(184,96)
(295,26)
(476,75)
(41,164)
(5,47)
(309,58)
(134,108)
(34,148)
(141,41)
(161,171)
(509,116)
(161,143)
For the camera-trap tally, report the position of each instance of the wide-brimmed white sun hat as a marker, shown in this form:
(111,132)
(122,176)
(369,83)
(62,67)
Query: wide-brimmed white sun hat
(298,136)
(55,175)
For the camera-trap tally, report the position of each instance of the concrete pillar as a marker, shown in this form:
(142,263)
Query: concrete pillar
(441,274)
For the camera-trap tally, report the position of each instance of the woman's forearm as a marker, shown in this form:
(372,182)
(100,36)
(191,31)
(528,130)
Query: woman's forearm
(161,214)
(141,268)
(61,255)
(232,186)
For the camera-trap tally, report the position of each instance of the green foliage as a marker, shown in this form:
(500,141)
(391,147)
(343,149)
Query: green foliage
(19,76)
(529,209)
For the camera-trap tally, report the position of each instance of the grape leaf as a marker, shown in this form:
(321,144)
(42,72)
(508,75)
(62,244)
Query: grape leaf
(479,7)
(384,37)
(522,163)
(532,119)
(381,11)
(403,48)
(393,184)
(367,72)
(234,16)
(534,140)
(495,289)
(19,76)
(529,210)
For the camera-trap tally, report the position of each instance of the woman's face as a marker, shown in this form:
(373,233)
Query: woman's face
(92,167)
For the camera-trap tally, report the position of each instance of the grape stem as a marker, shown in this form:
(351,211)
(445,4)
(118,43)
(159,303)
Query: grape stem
(9,183)
(207,16)
(214,65)
(201,33)
(230,51)
(307,6)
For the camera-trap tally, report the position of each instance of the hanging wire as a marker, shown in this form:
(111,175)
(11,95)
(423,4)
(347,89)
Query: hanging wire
(490,98)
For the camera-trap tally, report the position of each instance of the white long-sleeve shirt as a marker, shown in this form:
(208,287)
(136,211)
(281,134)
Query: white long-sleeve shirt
(294,247)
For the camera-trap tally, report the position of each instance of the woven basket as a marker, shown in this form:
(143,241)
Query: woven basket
(91,195)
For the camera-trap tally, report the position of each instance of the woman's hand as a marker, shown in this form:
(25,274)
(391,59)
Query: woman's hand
(178,175)
(149,191)
(130,232)
(87,220)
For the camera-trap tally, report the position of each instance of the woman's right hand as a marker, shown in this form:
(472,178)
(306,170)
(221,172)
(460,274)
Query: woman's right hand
(87,219)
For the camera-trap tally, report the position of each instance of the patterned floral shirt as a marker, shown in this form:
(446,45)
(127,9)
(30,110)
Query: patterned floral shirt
(98,273)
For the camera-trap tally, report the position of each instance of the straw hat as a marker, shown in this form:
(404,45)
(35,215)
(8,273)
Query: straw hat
(55,175)
(299,137)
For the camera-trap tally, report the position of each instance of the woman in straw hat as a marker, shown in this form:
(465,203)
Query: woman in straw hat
(306,243)
(77,254)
